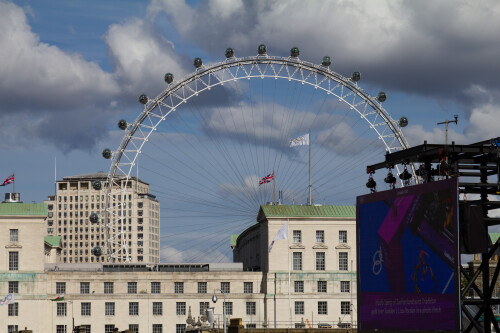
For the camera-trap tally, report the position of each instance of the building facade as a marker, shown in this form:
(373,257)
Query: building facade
(76,199)
(310,274)
(266,288)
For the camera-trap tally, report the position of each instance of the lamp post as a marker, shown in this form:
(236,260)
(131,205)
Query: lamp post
(214,299)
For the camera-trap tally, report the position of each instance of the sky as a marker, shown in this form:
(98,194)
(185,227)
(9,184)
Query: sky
(71,69)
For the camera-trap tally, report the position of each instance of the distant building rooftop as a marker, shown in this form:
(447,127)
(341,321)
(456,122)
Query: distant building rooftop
(101,175)
(306,211)
(21,208)
(54,241)
(180,267)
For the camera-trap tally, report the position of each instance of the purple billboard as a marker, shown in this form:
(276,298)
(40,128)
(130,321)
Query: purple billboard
(408,258)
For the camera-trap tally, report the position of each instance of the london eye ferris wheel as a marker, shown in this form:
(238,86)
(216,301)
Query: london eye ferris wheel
(207,140)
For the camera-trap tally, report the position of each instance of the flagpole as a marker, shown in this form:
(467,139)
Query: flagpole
(274,187)
(14,183)
(310,185)
(55,176)
(289,282)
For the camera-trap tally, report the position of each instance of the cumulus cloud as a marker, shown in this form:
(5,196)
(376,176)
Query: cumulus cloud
(38,75)
(170,254)
(416,134)
(141,57)
(413,46)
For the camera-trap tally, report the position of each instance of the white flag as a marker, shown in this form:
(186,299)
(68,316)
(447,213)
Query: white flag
(281,234)
(9,299)
(300,141)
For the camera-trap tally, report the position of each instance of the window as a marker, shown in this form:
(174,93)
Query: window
(343,261)
(179,287)
(109,308)
(61,309)
(342,236)
(84,287)
(229,308)
(203,307)
(132,287)
(297,236)
(320,236)
(13,261)
(60,328)
(297,261)
(60,287)
(13,309)
(345,287)
(322,308)
(250,308)
(157,308)
(109,328)
(320,261)
(13,287)
(321,286)
(85,309)
(299,308)
(133,327)
(12,328)
(133,308)
(157,328)
(298,286)
(202,287)
(155,287)
(180,308)
(225,287)
(86,327)
(248,287)
(180,328)
(14,235)
(251,325)
(345,308)
(108,287)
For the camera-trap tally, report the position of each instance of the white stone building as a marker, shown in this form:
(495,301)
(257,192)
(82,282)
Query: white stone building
(74,202)
(260,288)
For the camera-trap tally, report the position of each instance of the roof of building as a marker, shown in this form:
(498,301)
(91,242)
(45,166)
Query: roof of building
(95,175)
(306,211)
(494,237)
(54,241)
(233,239)
(21,208)
(101,175)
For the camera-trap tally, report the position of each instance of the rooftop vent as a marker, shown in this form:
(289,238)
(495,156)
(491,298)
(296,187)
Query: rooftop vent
(12,197)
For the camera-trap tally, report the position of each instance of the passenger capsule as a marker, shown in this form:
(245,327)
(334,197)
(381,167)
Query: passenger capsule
(294,52)
(169,78)
(97,185)
(143,99)
(403,122)
(197,62)
(327,61)
(262,49)
(229,52)
(356,76)
(96,251)
(94,218)
(122,124)
(106,153)
(381,97)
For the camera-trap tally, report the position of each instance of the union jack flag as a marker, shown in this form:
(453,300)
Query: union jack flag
(267,179)
(9,180)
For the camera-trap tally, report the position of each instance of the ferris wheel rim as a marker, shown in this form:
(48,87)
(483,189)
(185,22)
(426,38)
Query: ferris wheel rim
(131,155)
